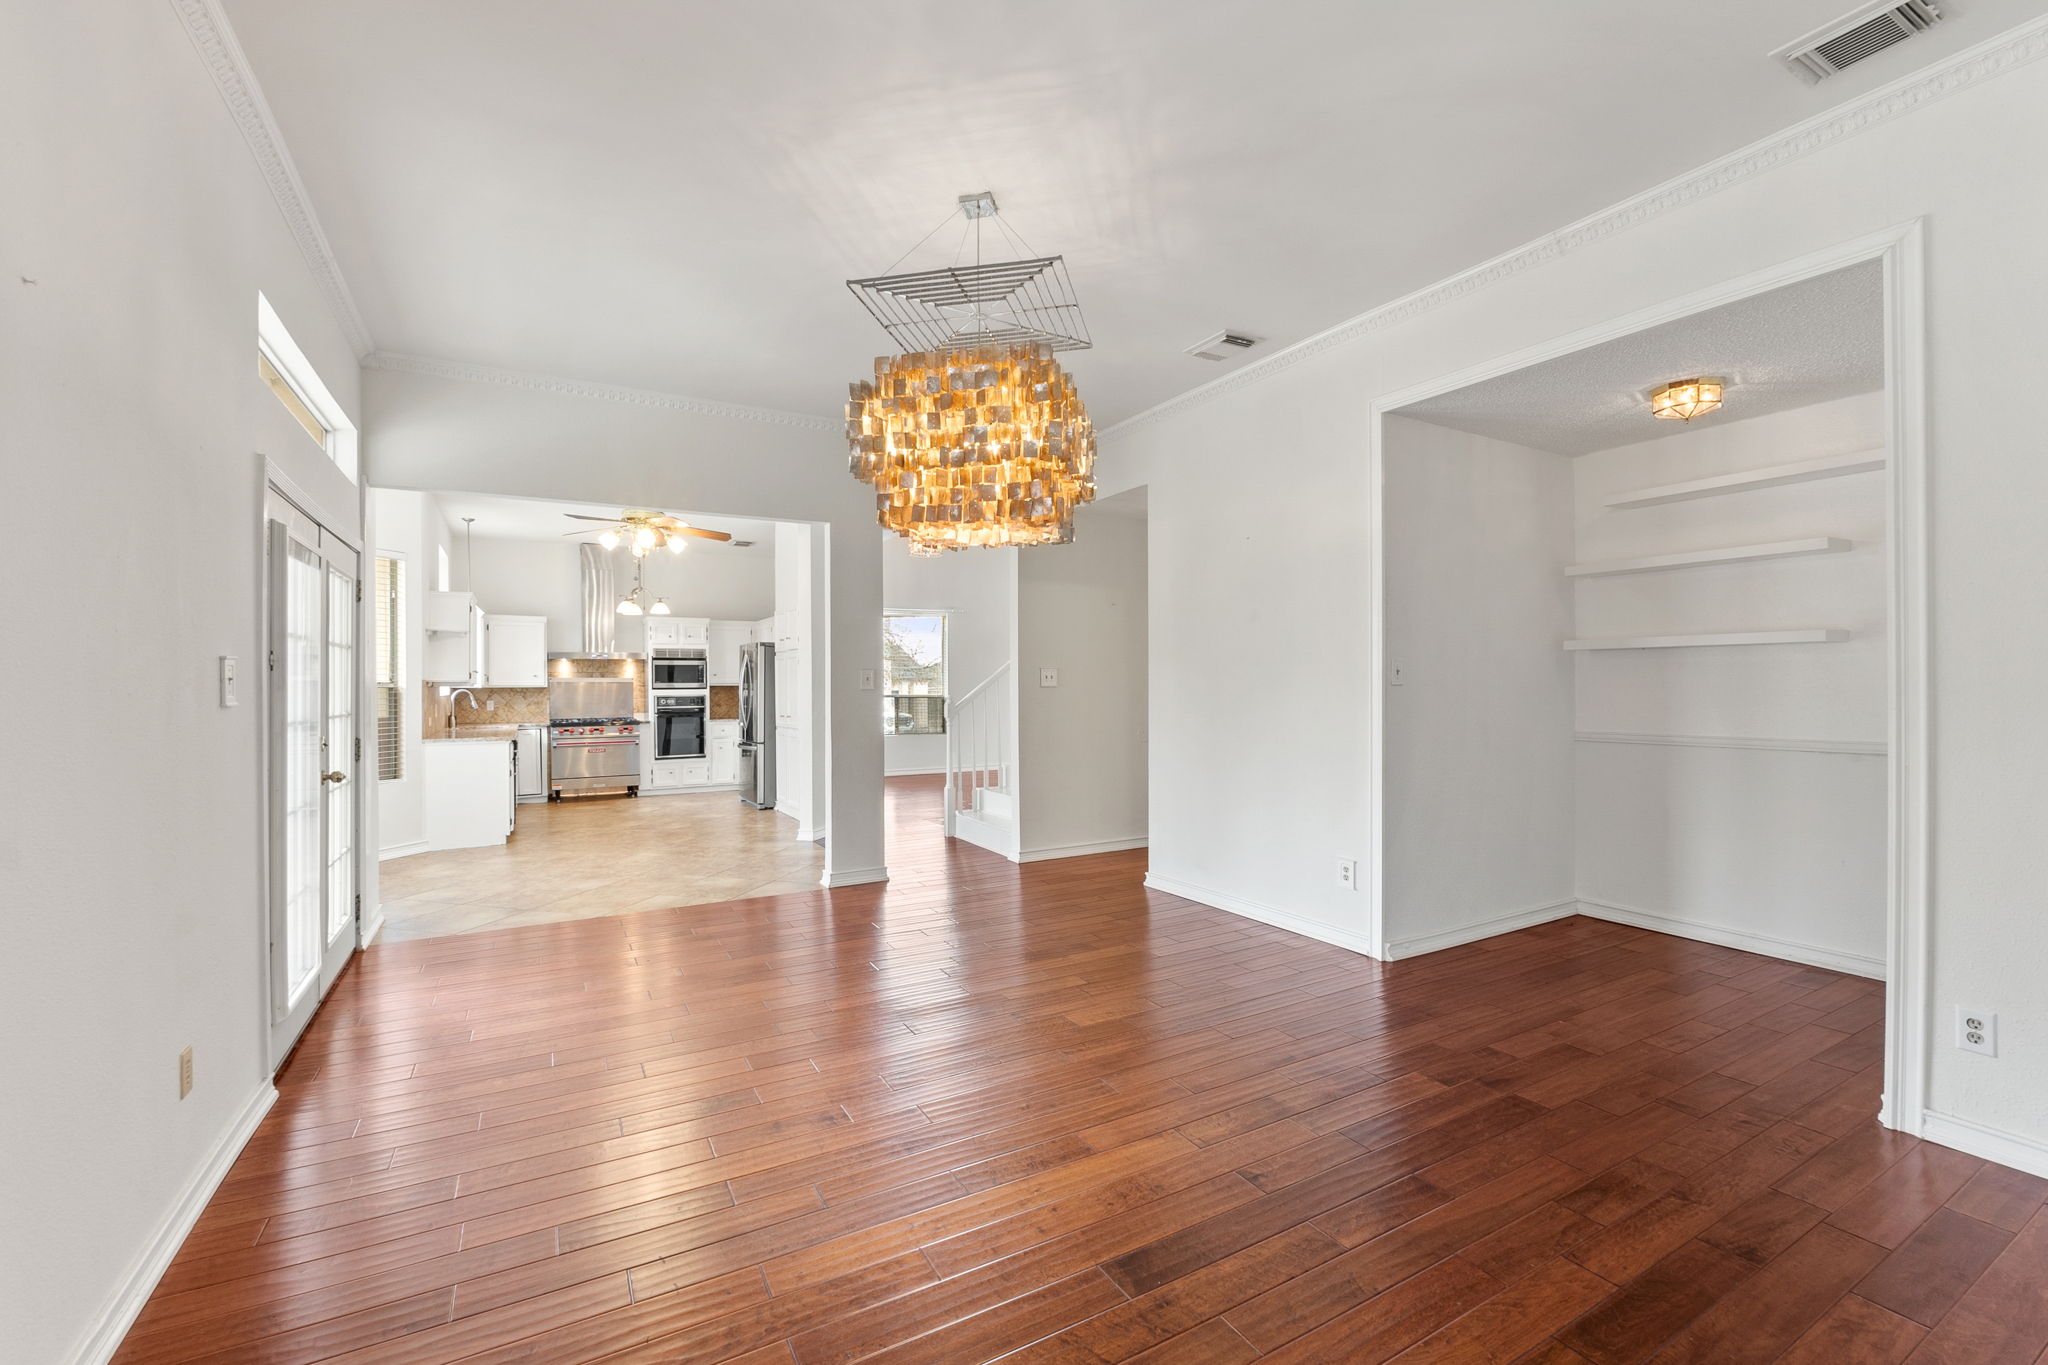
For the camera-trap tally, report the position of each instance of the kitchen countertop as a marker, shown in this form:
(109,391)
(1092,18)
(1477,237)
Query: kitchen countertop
(477,734)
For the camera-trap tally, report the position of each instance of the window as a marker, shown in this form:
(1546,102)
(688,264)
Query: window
(390,668)
(293,403)
(914,673)
(286,372)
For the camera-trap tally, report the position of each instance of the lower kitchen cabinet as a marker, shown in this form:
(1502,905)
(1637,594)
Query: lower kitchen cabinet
(675,774)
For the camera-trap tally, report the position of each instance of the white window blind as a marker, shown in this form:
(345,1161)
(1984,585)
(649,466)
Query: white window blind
(390,668)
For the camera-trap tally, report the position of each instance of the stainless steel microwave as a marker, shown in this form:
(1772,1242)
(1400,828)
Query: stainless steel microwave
(678,668)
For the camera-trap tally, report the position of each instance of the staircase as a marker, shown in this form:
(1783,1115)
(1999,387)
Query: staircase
(981,802)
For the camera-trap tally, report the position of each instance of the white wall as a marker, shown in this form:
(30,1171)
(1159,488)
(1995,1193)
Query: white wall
(1782,846)
(1479,819)
(544,578)
(1081,746)
(427,431)
(1260,482)
(978,591)
(131,874)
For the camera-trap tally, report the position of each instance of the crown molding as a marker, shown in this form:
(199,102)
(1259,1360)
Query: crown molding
(1973,65)
(207,26)
(464,372)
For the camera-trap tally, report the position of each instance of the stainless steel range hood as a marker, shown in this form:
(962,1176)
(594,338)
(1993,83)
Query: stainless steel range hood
(600,607)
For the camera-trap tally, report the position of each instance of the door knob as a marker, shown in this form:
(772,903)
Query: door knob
(335,776)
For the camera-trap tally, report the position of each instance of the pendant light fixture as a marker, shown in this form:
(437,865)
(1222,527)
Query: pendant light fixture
(974,435)
(629,605)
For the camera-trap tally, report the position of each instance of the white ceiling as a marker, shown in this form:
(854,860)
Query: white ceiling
(533,519)
(669,193)
(1809,342)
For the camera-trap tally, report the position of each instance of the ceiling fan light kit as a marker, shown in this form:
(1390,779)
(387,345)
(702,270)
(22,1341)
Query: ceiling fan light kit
(975,436)
(643,532)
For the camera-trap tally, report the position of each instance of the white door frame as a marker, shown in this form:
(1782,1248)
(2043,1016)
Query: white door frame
(276,482)
(1901,248)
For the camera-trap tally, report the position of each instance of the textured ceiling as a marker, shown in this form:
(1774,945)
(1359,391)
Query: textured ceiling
(669,194)
(1809,342)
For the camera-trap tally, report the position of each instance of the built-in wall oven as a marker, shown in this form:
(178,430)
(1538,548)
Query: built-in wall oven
(679,668)
(679,719)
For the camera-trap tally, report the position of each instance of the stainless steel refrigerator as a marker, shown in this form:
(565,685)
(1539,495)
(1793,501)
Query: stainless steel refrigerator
(757,725)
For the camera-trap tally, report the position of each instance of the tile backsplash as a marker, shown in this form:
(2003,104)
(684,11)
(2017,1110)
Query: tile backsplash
(525,705)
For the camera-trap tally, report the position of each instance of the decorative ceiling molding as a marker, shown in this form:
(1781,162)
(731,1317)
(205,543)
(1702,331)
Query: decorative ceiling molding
(1973,65)
(207,25)
(467,373)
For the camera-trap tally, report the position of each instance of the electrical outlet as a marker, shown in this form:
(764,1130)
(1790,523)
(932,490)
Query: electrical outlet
(1347,873)
(1977,1031)
(185,1072)
(1048,677)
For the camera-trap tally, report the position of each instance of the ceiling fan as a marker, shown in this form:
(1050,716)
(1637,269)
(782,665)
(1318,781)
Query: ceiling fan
(643,532)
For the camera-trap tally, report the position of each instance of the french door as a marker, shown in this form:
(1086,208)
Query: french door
(314,764)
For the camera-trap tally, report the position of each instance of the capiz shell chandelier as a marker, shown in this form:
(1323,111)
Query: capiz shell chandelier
(975,436)
(984,446)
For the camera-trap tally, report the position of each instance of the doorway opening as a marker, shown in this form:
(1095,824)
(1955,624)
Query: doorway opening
(1668,674)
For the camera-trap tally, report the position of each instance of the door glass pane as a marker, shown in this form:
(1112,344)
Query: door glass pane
(341,745)
(302,768)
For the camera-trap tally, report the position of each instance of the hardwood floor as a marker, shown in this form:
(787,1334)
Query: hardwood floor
(1039,1114)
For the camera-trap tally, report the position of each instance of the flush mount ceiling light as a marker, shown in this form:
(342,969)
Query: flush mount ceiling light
(1685,399)
(975,436)
(644,532)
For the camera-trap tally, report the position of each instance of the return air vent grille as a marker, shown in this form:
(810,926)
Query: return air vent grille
(1849,40)
(1222,346)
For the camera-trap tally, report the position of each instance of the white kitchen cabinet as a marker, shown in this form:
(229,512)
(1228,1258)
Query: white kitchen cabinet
(663,632)
(722,741)
(515,651)
(791,677)
(727,638)
(455,640)
(469,796)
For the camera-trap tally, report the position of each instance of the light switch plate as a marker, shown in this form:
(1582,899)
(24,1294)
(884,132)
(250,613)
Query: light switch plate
(1048,677)
(867,680)
(229,666)
(1396,676)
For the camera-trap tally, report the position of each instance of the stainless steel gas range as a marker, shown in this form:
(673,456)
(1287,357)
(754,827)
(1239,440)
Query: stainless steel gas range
(593,739)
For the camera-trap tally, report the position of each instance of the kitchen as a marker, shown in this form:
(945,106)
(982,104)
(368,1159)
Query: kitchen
(558,678)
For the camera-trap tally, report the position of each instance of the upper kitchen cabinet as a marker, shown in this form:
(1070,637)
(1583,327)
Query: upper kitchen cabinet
(678,632)
(455,640)
(727,639)
(515,651)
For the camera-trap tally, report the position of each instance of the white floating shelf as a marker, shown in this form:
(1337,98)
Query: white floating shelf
(1777,549)
(1833,466)
(1750,637)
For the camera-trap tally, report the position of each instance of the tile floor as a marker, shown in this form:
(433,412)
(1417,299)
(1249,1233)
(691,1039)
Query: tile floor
(604,855)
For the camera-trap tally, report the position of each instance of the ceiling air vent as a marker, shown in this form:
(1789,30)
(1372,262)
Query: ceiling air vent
(1847,41)
(1222,346)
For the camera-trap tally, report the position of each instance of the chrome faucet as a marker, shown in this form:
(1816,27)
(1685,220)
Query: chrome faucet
(459,692)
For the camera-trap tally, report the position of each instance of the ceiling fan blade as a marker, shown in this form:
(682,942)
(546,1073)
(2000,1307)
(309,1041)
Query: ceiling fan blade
(699,532)
(578,516)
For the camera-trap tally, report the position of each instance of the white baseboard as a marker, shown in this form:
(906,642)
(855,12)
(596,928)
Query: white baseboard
(1039,855)
(913,772)
(996,838)
(1486,928)
(376,927)
(402,850)
(1764,944)
(1993,1144)
(154,1259)
(859,876)
(1264,914)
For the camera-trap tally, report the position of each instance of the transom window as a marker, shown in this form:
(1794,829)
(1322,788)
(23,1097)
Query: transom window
(914,673)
